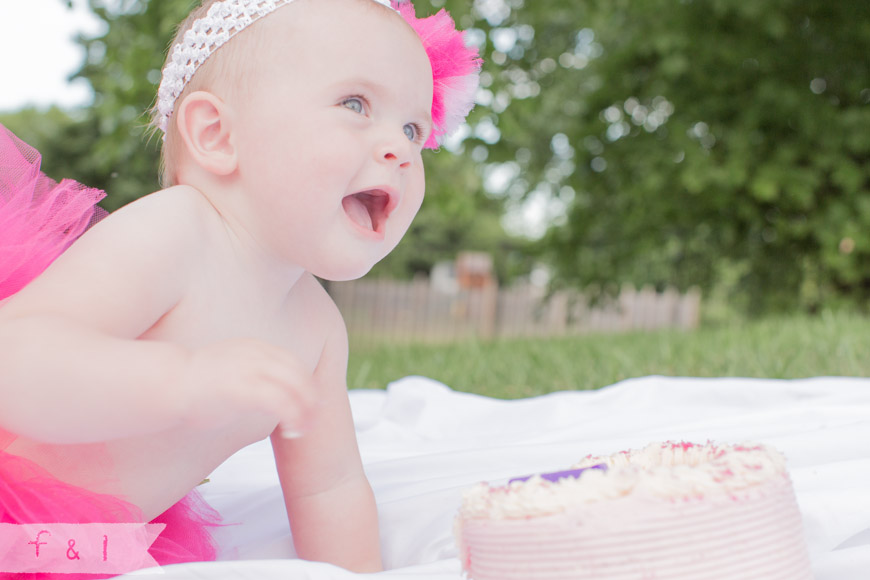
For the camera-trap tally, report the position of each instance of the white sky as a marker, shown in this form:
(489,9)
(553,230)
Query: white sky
(38,53)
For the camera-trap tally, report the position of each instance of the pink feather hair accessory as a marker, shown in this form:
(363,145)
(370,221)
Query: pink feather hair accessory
(455,69)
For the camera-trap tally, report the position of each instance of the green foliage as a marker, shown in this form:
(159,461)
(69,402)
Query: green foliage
(123,67)
(64,140)
(698,136)
(105,145)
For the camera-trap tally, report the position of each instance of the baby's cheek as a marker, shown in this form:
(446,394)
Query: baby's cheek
(418,187)
(405,216)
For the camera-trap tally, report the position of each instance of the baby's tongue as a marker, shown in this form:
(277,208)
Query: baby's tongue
(357,211)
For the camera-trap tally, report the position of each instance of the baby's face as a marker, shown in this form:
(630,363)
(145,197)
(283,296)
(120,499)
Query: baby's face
(330,141)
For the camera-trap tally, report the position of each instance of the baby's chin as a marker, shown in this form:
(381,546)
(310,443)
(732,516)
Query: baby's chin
(342,263)
(343,272)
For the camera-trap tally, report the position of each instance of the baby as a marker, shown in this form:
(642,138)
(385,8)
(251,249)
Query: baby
(189,323)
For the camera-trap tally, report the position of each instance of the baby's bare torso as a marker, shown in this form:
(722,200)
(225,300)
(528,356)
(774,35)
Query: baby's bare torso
(156,470)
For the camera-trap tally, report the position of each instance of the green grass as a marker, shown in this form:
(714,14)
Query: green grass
(783,348)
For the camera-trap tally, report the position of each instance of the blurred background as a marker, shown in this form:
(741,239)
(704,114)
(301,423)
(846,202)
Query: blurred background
(644,187)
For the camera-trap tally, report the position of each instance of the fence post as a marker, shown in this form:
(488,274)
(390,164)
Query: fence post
(689,310)
(558,313)
(627,306)
(488,309)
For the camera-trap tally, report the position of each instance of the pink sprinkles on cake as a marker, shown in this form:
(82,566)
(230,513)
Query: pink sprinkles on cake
(670,510)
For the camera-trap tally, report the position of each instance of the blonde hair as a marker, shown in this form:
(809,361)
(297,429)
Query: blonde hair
(223,74)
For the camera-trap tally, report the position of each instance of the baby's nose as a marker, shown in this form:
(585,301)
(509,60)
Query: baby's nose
(393,157)
(395,150)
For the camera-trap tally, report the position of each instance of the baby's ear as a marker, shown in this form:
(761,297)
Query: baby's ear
(205,126)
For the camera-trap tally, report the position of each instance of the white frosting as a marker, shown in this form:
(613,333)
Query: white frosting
(672,510)
(669,471)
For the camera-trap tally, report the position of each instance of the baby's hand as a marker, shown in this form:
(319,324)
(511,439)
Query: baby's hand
(229,378)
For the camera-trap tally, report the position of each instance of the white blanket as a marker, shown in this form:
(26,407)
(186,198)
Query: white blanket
(423,444)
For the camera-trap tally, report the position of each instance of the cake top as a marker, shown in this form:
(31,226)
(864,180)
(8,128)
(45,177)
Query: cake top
(670,471)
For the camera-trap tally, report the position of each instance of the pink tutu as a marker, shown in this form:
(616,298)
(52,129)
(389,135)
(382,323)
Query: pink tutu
(29,494)
(39,219)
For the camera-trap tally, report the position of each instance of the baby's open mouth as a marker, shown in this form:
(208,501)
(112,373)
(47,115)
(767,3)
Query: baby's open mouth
(368,209)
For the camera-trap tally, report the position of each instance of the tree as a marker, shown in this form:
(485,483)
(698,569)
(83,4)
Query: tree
(64,139)
(123,67)
(695,138)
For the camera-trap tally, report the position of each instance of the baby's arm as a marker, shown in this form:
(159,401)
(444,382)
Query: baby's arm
(71,367)
(329,501)
(71,372)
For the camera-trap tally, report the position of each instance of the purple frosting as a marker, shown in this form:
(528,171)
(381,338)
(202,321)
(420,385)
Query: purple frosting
(557,475)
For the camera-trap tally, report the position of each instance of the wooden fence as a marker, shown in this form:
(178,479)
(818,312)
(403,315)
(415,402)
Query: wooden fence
(393,310)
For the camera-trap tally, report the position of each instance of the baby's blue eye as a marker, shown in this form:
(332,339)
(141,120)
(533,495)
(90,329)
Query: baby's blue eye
(355,104)
(412,131)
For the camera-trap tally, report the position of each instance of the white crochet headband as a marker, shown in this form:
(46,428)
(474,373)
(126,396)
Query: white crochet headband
(207,34)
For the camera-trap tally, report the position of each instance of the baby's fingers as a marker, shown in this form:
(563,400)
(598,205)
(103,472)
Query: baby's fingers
(283,404)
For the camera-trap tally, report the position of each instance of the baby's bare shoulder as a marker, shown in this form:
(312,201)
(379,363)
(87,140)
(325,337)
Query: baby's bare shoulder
(171,211)
(161,229)
(142,254)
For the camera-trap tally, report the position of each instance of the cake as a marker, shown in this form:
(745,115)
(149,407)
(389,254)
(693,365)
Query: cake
(675,511)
